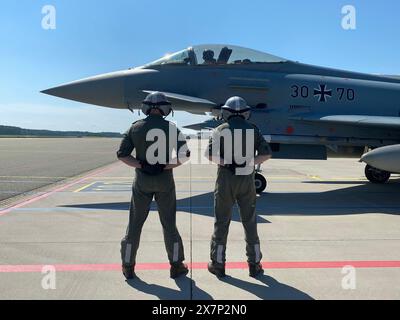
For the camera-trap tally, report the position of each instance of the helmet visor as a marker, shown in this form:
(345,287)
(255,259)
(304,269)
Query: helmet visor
(164,109)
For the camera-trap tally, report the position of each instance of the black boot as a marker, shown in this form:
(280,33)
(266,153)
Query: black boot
(255,269)
(129,271)
(217,269)
(178,269)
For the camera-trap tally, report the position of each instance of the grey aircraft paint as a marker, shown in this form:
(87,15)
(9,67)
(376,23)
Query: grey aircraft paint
(305,111)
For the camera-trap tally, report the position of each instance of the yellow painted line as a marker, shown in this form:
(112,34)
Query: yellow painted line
(33,177)
(349,179)
(85,187)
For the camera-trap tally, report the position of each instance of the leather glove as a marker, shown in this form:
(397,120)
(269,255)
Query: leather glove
(152,169)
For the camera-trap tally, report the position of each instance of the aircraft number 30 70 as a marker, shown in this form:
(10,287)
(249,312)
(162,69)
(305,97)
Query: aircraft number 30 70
(322,93)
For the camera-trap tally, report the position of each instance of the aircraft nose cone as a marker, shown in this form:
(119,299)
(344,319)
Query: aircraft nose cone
(105,90)
(374,158)
(368,157)
(384,158)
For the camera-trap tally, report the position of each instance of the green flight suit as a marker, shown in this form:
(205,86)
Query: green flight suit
(145,187)
(231,188)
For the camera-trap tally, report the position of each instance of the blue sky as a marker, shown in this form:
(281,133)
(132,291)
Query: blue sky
(98,36)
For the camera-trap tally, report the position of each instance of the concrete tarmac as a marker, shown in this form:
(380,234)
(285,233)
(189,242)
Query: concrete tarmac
(326,233)
(27,164)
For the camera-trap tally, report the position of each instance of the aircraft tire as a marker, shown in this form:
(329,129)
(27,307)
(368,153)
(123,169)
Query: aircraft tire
(376,176)
(260,182)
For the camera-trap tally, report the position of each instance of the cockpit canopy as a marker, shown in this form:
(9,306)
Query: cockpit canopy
(216,55)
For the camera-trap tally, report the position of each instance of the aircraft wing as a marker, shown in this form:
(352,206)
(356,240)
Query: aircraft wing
(189,103)
(353,120)
(206,125)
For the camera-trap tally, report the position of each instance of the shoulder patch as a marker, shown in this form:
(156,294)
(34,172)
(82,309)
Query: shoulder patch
(137,125)
(138,122)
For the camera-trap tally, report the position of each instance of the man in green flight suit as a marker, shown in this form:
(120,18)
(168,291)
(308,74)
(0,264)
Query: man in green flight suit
(154,140)
(235,182)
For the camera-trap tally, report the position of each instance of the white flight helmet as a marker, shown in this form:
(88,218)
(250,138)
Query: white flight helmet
(156,100)
(235,106)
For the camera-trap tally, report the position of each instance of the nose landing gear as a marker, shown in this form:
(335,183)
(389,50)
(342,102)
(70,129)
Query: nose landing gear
(375,175)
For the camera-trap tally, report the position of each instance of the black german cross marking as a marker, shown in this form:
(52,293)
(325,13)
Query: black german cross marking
(322,92)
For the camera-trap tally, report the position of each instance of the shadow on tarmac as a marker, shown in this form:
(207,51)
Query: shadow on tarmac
(269,289)
(359,199)
(201,205)
(187,289)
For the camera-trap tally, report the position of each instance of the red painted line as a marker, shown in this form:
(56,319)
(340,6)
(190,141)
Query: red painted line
(203,266)
(53,191)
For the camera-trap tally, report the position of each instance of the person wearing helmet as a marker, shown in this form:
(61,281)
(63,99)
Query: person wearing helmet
(235,182)
(208,57)
(153,179)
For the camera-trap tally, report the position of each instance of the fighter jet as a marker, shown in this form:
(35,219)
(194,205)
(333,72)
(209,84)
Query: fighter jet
(304,111)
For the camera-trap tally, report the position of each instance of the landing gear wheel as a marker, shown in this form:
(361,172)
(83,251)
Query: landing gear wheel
(376,175)
(261,183)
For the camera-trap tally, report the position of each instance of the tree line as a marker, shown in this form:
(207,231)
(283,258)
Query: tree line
(16,131)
